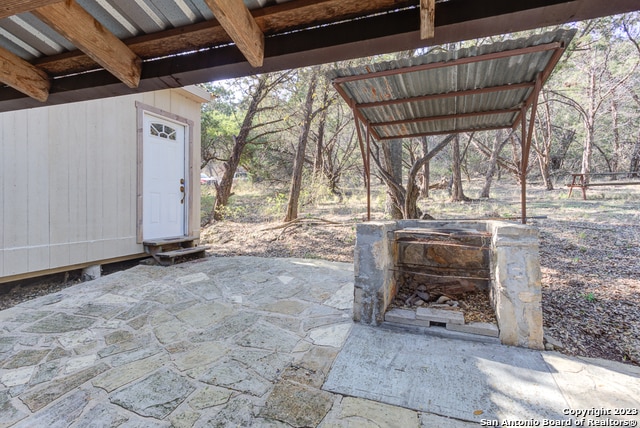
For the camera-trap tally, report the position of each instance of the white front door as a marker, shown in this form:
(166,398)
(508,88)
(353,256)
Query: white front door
(164,181)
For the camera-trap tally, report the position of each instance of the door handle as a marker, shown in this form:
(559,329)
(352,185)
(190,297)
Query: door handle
(182,190)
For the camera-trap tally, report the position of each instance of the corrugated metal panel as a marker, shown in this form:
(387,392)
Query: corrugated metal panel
(29,38)
(509,70)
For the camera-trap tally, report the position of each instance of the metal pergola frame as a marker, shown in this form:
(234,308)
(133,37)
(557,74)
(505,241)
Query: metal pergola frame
(519,110)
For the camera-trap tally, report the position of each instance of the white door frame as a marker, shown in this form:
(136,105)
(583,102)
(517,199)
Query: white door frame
(143,111)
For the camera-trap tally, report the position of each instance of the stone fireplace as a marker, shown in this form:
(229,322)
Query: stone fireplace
(443,260)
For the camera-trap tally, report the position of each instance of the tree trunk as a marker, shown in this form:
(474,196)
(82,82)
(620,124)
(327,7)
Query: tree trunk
(317,165)
(589,121)
(634,162)
(298,162)
(392,152)
(411,199)
(223,188)
(558,157)
(457,193)
(543,163)
(498,143)
(617,146)
(424,186)
(542,138)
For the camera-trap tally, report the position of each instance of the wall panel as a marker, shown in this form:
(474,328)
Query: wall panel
(68,177)
(38,188)
(76,122)
(15,193)
(95,170)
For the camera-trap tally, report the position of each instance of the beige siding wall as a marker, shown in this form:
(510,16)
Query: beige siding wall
(68,177)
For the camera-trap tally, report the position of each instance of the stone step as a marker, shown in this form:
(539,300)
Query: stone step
(453,320)
(442,316)
(404,316)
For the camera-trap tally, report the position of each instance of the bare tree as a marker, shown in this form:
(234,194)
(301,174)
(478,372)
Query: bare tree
(542,139)
(406,199)
(392,155)
(601,84)
(412,192)
(339,145)
(298,162)
(424,185)
(498,144)
(457,193)
(263,85)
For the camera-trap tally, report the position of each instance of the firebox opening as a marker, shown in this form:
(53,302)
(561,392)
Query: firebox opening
(443,276)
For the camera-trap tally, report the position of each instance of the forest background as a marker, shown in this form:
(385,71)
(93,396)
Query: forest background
(291,134)
(289,181)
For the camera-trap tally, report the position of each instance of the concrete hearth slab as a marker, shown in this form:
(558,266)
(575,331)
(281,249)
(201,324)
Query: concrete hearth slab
(481,328)
(461,379)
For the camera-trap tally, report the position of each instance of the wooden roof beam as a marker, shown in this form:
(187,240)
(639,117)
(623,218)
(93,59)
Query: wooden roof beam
(22,76)
(14,7)
(87,34)
(238,22)
(427,19)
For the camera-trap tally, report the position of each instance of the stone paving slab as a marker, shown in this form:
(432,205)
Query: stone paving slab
(204,343)
(254,342)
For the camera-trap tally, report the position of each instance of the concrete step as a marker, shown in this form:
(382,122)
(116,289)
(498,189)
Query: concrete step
(481,328)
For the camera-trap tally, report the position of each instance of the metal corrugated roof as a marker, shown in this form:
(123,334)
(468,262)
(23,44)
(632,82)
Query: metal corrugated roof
(484,87)
(29,38)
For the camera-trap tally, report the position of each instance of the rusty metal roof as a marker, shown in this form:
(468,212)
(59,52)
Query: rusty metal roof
(479,88)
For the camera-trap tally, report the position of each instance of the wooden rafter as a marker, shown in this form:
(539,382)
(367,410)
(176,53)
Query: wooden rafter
(87,34)
(14,7)
(22,76)
(238,22)
(271,20)
(427,19)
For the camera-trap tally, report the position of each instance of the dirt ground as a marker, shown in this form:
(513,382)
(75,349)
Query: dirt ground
(589,256)
(588,250)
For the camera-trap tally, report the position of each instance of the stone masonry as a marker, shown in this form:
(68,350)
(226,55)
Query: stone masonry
(516,291)
(515,287)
